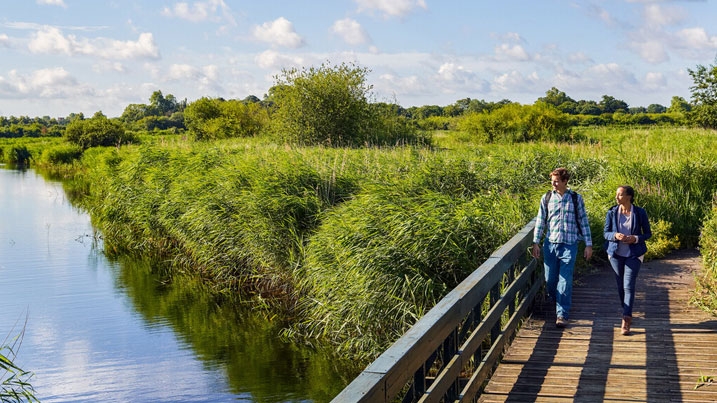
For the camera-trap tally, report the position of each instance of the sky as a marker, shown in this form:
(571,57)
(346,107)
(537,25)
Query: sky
(83,56)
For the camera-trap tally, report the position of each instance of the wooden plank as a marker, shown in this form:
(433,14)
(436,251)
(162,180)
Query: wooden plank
(672,345)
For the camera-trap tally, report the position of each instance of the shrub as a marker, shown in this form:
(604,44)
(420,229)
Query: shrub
(706,291)
(17,155)
(61,154)
(662,241)
(324,105)
(515,123)
(213,118)
(96,131)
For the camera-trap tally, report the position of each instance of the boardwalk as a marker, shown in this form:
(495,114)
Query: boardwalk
(672,346)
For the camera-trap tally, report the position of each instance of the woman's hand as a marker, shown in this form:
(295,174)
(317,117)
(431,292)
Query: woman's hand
(626,238)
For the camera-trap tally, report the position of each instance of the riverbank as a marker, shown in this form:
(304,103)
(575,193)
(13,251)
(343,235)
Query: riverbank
(351,246)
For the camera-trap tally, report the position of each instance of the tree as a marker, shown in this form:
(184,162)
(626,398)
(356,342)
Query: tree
(555,97)
(656,108)
(588,108)
(325,105)
(678,105)
(162,106)
(704,96)
(96,131)
(611,104)
(704,91)
(215,118)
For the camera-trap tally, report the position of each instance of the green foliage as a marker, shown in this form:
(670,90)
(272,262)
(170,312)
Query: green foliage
(15,383)
(238,215)
(329,106)
(16,155)
(96,131)
(704,90)
(706,293)
(518,123)
(704,96)
(60,154)
(213,118)
(662,241)
(345,242)
(368,275)
(436,123)
(704,116)
(162,113)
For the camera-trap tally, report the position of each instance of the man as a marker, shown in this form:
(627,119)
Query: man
(562,217)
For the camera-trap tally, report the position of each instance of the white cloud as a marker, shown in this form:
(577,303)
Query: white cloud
(350,31)
(391,8)
(116,67)
(271,59)
(410,85)
(4,40)
(513,81)
(651,51)
(44,83)
(206,77)
(454,73)
(607,78)
(697,39)
(507,51)
(279,32)
(453,78)
(601,14)
(655,81)
(60,3)
(658,16)
(200,11)
(579,57)
(52,40)
(182,71)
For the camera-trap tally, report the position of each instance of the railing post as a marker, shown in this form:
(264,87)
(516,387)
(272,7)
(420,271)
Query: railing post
(427,362)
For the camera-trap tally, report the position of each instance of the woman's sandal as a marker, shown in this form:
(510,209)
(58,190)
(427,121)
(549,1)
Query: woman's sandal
(626,322)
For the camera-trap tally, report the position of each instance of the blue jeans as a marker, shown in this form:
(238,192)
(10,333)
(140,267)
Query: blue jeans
(626,270)
(559,261)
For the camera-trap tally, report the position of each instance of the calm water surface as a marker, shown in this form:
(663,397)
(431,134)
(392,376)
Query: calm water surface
(112,331)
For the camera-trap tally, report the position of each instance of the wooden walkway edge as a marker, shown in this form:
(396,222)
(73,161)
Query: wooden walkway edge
(672,349)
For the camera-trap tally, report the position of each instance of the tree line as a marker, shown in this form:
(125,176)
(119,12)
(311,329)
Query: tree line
(333,105)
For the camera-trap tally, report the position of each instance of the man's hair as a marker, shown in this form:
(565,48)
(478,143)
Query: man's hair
(562,173)
(628,191)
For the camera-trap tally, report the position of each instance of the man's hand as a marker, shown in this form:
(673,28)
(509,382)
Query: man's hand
(536,251)
(588,252)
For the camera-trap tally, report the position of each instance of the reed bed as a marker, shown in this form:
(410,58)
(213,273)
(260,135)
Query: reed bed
(351,246)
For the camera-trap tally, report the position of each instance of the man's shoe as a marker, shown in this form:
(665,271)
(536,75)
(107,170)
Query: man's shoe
(561,322)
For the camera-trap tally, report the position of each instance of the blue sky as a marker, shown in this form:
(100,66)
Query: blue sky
(65,56)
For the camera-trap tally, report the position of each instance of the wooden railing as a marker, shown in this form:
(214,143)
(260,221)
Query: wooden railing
(452,350)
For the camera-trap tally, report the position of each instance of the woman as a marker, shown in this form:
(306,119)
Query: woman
(626,230)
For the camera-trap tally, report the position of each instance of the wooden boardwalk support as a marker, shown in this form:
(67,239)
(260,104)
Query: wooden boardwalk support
(451,350)
(670,357)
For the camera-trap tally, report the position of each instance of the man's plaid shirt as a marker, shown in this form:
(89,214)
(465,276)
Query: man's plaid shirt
(561,226)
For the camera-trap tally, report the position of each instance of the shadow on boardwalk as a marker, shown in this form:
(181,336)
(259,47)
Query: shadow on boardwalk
(673,344)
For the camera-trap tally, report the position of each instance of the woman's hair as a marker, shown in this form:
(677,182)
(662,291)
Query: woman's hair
(628,191)
(561,173)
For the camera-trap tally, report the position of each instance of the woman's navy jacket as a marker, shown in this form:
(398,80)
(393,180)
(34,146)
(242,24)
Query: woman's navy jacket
(640,226)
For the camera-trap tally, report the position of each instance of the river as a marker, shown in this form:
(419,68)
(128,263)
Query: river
(100,330)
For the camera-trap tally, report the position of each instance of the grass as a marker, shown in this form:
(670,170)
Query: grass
(351,246)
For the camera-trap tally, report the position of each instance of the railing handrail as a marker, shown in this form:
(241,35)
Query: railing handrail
(452,321)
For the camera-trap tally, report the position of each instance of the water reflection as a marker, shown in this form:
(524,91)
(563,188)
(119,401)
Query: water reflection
(229,336)
(114,331)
